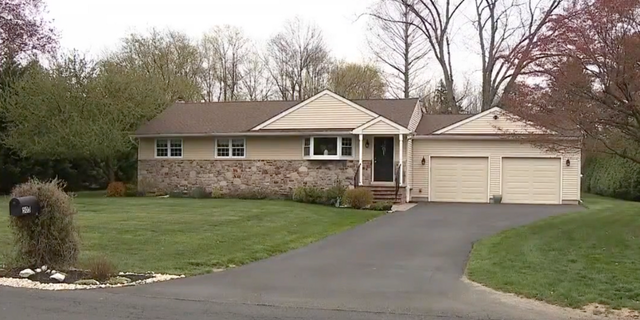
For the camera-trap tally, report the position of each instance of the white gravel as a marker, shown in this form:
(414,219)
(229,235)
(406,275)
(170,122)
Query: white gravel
(26,283)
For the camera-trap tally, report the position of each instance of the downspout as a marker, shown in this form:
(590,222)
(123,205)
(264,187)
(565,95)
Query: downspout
(409,170)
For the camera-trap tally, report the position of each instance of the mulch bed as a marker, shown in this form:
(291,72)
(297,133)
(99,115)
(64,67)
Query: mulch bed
(71,276)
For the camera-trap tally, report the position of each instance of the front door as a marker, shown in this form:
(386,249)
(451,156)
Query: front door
(383,159)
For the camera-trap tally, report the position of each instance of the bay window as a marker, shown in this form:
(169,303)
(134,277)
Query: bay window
(328,148)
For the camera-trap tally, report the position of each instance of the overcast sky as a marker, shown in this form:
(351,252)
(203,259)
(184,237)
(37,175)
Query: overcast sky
(93,26)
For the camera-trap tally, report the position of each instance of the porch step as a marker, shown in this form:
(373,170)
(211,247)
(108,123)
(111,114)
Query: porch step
(386,193)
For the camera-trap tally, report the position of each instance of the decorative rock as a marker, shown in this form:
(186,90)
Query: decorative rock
(58,276)
(87,282)
(44,268)
(38,270)
(26,273)
(217,270)
(26,283)
(118,280)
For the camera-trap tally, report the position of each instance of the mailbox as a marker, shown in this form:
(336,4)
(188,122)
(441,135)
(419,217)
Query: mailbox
(24,206)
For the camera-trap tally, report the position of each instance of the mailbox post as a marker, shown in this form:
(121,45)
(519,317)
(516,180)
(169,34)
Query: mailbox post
(24,206)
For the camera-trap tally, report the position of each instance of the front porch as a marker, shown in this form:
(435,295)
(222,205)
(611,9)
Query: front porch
(387,146)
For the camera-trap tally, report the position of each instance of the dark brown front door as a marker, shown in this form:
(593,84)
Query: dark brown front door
(383,159)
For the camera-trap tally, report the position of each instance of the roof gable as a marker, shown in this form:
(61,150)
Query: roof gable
(492,121)
(381,125)
(324,110)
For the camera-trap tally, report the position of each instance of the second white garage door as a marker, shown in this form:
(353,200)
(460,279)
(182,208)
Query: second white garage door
(531,180)
(456,179)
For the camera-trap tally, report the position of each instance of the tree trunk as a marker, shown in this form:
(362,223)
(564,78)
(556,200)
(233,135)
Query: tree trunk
(110,170)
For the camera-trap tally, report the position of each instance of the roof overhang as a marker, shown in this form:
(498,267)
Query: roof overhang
(489,137)
(398,128)
(239,134)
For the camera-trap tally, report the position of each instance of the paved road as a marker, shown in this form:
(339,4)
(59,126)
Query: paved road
(402,266)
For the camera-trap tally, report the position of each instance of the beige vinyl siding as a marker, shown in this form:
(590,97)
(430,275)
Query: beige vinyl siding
(487,125)
(531,180)
(495,150)
(324,112)
(459,179)
(416,116)
(380,127)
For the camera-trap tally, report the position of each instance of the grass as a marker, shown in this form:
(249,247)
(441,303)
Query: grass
(571,260)
(192,236)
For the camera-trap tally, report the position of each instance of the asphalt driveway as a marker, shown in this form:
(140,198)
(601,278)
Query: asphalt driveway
(404,265)
(409,262)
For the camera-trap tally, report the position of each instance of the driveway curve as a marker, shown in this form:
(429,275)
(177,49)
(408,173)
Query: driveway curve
(406,265)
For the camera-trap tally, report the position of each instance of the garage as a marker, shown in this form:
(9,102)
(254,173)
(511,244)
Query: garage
(459,179)
(531,180)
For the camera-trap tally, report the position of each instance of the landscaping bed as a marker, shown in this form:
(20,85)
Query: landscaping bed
(573,260)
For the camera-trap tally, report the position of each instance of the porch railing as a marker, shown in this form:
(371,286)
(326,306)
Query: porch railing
(356,177)
(398,173)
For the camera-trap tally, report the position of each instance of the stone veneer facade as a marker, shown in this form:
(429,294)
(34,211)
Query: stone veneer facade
(277,177)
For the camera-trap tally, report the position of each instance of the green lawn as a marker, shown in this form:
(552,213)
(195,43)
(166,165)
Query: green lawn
(571,260)
(190,236)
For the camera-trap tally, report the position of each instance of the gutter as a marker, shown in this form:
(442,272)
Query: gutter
(480,137)
(239,134)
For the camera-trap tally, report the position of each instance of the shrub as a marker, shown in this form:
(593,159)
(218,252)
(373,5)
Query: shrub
(145,185)
(250,194)
(381,206)
(116,189)
(131,190)
(334,193)
(310,195)
(100,268)
(358,198)
(50,238)
(217,193)
(612,176)
(176,194)
(199,193)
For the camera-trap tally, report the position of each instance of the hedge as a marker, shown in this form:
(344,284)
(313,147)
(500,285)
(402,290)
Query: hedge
(612,176)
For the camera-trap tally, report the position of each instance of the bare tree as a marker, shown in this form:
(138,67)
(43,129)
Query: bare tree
(298,60)
(257,84)
(508,33)
(401,47)
(225,50)
(434,18)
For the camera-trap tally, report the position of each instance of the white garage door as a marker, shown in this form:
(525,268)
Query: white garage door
(531,180)
(459,179)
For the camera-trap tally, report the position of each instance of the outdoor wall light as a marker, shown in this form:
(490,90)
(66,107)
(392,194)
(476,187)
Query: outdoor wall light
(568,162)
(424,161)
(366,143)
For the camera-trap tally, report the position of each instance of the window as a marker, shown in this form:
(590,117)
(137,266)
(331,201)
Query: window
(168,148)
(347,147)
(230,148)
(327,148)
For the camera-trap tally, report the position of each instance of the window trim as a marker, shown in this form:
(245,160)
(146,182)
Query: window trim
(230,148)
(168,156)
(339,156)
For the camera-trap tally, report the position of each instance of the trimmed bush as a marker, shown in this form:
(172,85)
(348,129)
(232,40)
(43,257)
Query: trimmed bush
(199,193)
(50,238)
(381,206)
(116,189)
(612,176)
(131,190)
(251,194)
(358,198)
(176,194)
(310,195)
(334,193)
(100,268)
